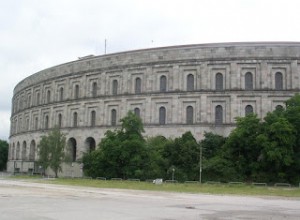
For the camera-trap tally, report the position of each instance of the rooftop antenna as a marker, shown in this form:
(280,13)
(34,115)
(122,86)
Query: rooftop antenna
(105,46)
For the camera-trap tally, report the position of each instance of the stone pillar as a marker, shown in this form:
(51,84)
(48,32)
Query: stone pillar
(233,108)
(149,80)
(148,110)
(264,76)
(266,105)
(125,78)
(294,75)
(176,77)
(232,76)
(198,77)
(176,108)
(204,109)
(205,77)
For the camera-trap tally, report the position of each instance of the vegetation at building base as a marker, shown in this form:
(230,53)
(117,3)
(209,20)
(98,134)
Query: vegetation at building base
(268,150)
(52,148)
(3,154)
(125,153)
(256,151)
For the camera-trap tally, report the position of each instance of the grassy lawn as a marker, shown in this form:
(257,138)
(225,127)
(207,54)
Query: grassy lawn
(220,189)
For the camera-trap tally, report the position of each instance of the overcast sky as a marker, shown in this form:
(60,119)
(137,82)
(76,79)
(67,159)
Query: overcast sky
(36,34)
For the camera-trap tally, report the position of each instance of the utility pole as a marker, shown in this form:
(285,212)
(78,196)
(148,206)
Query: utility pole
(105,46)
(200,165)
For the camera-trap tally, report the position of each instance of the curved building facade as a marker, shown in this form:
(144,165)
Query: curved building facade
(175,89)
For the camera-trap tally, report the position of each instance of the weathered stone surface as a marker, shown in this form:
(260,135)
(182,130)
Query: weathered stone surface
(38,102)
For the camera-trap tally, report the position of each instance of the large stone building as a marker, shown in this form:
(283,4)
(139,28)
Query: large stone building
(175,89)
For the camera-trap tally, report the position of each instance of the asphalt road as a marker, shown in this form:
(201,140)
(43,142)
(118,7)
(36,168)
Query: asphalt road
(38,201)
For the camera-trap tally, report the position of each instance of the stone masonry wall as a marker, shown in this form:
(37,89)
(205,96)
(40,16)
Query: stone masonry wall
(206,87)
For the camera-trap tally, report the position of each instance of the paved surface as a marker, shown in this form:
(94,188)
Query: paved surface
(34,201)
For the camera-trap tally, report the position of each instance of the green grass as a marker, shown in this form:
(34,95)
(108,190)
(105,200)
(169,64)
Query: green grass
(218,189)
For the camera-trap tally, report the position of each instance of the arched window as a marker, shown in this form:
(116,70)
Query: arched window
(20,125)
(248,109)
(115,87)
(18,151)
(59,120)
(162,115)
(27,124)
(76,93)
(61,94)
(36,123)
(38,98)
(48,96)
(113,117)
(90,144)
(278,81)
(24,150)
(219,81)
(21,102)
(190,82)
(46,122)
(74,151)
(75,119)
(189,115)
(137,112)
(248,81)
(93,118)
(138,85)
(13,152)
(72,144)
(279,108)
(29,101)
(219,115)
(94,89)
(32,151)
(163,84)
(16,126)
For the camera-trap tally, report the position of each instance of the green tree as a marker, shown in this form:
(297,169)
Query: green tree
(182,154)
(211,144)
(277,141)
(242,147)
(52,151)
(254,151)
(121,153)
(219,168)
(93,164)
(156,164)
(3,154)
(266,151)
(292,114)
(214,166)
(132,126)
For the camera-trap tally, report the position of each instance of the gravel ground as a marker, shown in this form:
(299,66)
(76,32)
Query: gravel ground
(38,201)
